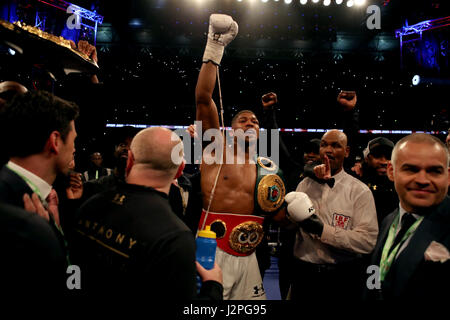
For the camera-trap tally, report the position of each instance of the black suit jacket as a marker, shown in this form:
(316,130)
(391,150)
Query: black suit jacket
(12,187)
(32,260)
(410,276)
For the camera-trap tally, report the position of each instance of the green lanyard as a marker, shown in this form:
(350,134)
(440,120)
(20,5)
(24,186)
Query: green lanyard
(36,190)
(30,183)
(387,259)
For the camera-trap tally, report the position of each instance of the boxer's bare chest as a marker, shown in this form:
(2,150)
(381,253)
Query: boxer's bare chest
(235,187)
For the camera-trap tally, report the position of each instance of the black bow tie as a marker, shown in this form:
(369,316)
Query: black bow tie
(329,182)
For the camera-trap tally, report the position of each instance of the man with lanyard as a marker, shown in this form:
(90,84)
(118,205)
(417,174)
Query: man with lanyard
(236,189)
(39,134)
(414,241)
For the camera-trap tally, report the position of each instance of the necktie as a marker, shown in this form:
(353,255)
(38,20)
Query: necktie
(407,221)
(330,182)
(52,201)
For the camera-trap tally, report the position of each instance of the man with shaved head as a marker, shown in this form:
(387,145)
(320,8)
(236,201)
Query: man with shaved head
(337,224)
(10,88)
(413,246)
(129,240)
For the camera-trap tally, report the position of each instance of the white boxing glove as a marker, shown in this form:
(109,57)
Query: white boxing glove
(299,206)
(222,30)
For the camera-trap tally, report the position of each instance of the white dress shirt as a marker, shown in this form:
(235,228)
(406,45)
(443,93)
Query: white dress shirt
(32,180)
(350,221)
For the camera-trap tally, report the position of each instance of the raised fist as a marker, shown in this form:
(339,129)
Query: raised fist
(347,99)
(269,100)
(222,30)
(300,207)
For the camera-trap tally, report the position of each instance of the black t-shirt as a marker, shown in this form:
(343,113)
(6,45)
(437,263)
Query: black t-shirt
(128,239)
(383,191)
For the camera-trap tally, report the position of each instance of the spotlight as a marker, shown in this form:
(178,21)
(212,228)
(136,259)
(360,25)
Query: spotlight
(303,2)
(360,2)
(315,1)
(264,1)
(350,3)
(339,1)
(326,3)
(11,51)
(287,1)
(416,80)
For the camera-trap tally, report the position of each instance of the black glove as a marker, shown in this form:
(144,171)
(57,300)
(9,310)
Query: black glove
(312,225)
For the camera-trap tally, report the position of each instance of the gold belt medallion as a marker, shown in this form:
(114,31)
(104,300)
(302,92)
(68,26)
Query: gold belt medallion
(271,192)
(246,236)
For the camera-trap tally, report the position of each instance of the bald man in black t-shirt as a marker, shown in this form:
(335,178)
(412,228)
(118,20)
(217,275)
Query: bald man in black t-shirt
(128,239)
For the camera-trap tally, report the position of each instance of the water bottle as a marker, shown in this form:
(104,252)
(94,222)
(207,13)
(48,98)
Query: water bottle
(206,250)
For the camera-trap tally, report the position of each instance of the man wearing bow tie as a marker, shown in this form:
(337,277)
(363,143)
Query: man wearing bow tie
(337,223)
(413,246)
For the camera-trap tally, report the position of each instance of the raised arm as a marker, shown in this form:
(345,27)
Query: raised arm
(222,30)
(206,108)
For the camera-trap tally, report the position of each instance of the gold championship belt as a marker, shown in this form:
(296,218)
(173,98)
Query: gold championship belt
(33,42)
(246,236)
(270,189)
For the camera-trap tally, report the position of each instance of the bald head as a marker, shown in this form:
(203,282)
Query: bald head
(12,86)
(333,146)
(8,89)
(337,136)
(157,148)
(418,138)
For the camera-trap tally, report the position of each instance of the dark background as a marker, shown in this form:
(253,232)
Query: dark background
(150,55)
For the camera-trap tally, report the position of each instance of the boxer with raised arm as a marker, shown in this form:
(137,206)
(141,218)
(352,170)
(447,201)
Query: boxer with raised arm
(236,190)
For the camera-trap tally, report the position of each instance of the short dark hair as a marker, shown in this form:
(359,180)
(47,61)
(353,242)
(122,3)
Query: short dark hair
(28,120)
(239,113)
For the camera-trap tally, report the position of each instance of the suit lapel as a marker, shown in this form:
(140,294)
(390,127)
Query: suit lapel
(410,258)
(17,186)
(383,233)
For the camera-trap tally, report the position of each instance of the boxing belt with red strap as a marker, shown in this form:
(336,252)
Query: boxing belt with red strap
(236,234)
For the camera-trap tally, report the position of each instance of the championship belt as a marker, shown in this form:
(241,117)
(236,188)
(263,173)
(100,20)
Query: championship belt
(269,189)
(236,234)
(34,43)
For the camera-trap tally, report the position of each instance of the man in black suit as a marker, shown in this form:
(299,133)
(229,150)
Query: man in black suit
(38,132)
(414,241)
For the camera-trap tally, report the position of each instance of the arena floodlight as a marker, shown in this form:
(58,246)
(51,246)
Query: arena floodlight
(339,1)
(360,2)
(416,80)
(303,2)
(326,3)
(350,3)
(287,1)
